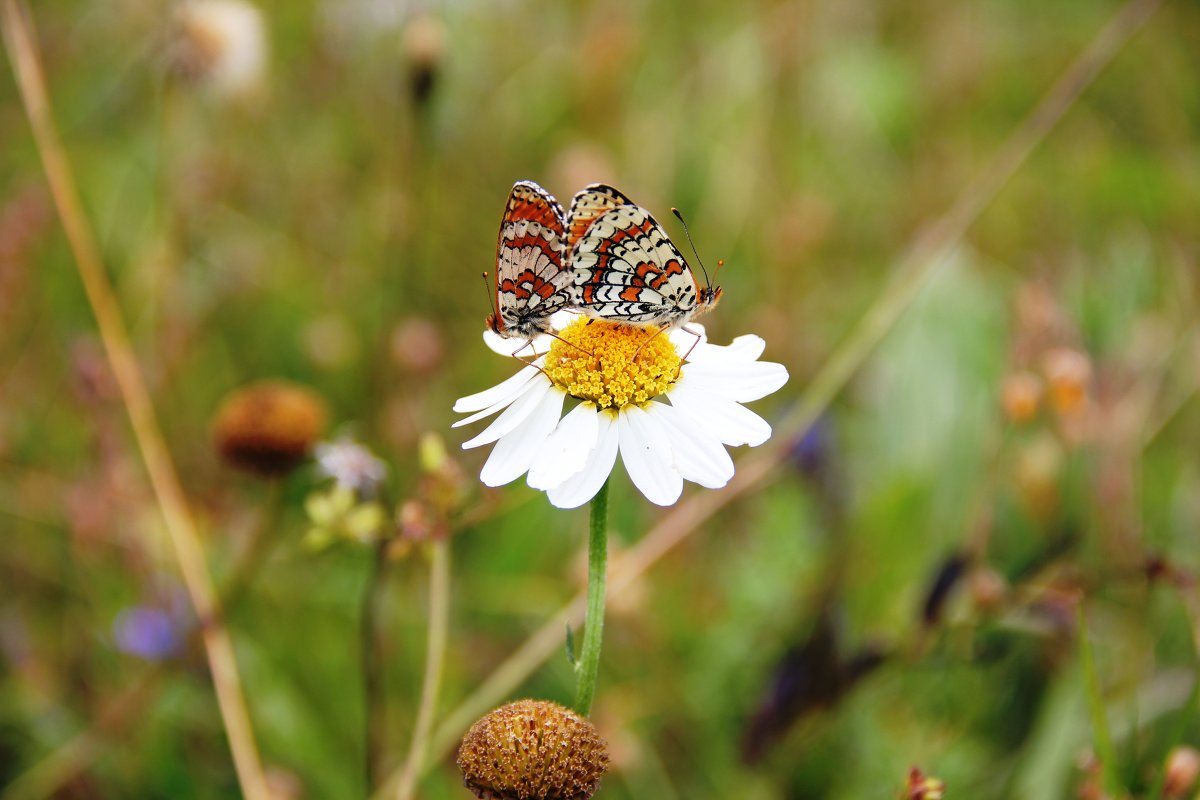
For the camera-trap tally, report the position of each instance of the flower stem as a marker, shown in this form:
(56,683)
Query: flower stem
(250,563)
(593,626)
(1091,684)
(374,718)
(435,652)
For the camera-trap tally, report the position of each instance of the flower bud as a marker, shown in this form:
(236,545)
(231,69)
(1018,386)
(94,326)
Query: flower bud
(923,787)
(1020,396)
(532,750)
(220,45)
(425,48)
(283,784)
(418,346)
(1037,472)
(949,573)
(988,589)
(1183,767)
(1069,374)
(269,427)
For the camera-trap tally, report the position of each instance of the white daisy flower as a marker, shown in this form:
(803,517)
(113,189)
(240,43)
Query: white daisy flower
(670,412)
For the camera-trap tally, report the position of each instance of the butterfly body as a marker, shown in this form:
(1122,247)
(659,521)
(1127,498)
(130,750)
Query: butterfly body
(626,269)
(532,281)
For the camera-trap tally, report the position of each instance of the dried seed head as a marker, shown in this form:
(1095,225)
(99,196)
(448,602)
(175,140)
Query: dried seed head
(532,750)
(269,427)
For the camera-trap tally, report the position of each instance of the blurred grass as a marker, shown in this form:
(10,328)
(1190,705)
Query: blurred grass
(807,144)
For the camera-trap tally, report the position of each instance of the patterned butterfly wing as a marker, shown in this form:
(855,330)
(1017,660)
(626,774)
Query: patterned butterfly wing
(532,281)
(588,204)
(627,270)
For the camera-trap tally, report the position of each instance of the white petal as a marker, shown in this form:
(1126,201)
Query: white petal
(492,409)
(731,423)
(516,346)
(739,382)
(507,345)
(684,340)
(649,460)
(699,456)
(516,450)
(742,349)
(563,318)
(514,415)
(499,394)
(581,487)
(566,451)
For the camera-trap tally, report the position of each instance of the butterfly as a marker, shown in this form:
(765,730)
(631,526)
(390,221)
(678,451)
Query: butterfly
(532,279)
(626,269)
(589,203)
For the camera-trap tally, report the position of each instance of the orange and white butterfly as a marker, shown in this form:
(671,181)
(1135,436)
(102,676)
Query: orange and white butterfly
(624,266)
(532,279)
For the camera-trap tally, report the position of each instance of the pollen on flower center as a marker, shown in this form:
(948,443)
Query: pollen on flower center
(594,360)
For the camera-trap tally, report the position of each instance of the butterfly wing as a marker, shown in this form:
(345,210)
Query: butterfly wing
(626,269)
(532,281)
(587,205)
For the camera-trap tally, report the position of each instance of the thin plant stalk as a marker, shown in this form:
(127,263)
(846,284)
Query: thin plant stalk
(588,667)
(435,658)
(374,707)
(926,255)
(1095,700)
(262,540)
(22,50)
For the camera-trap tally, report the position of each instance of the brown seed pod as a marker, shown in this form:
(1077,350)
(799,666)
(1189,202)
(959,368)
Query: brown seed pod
(269,427)
(532,750)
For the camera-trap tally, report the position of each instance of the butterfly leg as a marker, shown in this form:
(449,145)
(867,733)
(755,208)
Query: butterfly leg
(564,341)
(528,363)
(657,333)
(698,336)
(687,330)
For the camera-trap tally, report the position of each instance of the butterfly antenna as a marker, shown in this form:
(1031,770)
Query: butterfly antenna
(679,216)
(493,301)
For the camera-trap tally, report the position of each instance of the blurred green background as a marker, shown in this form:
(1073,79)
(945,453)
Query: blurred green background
(327,223)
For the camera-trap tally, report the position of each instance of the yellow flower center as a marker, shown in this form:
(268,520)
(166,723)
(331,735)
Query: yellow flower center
(595,360)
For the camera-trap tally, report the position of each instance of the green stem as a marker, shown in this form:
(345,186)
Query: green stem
(261,543)
(373,707)
(1091,686)
(593,626)
(1186,715)
(435,652)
